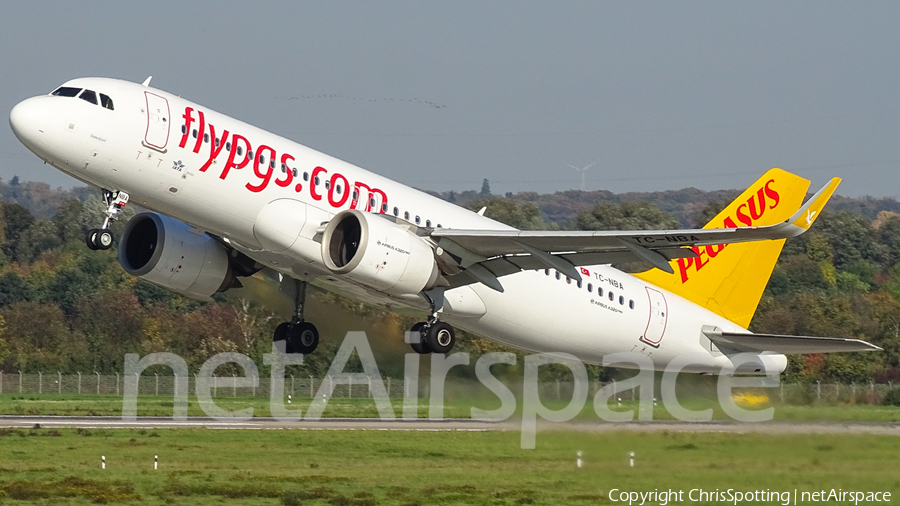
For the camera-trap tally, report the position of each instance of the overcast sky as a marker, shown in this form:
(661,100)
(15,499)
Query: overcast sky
(441,95)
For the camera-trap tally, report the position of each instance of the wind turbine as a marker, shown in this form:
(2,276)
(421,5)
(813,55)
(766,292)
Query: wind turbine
(583,170)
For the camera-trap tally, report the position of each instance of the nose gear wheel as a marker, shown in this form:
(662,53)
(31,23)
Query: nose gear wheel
(101,238)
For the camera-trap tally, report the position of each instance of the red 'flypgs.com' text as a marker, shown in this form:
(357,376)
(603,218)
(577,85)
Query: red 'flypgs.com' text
(240,150)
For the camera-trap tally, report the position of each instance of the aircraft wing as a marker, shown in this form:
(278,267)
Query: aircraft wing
(740,342)
(488,254)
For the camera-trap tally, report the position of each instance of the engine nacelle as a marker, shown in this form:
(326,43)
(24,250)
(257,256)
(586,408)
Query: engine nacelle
(174,255)
(378,253)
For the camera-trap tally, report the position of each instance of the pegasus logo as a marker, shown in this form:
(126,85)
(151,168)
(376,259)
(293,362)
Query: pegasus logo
(744,214)
(809,216)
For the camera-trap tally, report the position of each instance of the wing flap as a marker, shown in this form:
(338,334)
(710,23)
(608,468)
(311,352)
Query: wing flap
(509,264)
(788,345)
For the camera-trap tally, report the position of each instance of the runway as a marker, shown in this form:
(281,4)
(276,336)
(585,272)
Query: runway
(257,423)
(454,424)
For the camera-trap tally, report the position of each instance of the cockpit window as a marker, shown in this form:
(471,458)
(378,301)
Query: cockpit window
(88,96)
(65,91)
(106,103)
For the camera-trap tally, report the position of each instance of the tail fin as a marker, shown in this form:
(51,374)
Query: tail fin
(729,279)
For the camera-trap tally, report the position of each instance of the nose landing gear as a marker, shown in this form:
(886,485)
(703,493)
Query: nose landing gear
(101,238)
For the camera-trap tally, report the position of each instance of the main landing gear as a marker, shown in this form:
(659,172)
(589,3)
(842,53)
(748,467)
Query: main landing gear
(299,336)
(433,335)
(101,238)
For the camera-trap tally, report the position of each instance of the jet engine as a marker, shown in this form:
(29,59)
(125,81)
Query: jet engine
(175,255)
(378,253)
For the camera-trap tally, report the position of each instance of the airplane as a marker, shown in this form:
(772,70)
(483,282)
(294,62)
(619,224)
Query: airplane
(229,202)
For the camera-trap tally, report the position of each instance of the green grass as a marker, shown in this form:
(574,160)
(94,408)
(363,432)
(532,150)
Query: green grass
(198,466)
(454,407)
(110,405)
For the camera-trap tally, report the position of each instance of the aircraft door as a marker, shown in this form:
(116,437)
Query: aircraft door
(657,319)
(157,133)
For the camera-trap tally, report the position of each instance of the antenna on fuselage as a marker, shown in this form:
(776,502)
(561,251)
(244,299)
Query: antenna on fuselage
(147,81)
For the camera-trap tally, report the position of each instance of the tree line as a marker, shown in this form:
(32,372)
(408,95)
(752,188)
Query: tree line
(66,308)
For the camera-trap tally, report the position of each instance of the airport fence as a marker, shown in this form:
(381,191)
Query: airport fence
(308,386)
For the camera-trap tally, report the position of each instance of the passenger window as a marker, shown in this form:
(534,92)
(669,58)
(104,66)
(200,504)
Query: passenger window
(240,150)
(611,297)
(206,138)
(327,185)
(590,287)
(65,91)
(557,275)
(568,280)
(396,212)
(217,142)
(547,272)
(579,283)
(338,189)
(405,214)
(600,291)
(372,203)
(194,133)
(621,300)
(428,223)
(183,129)
(316,180)
(283,168)
(384,207)
(294,172)
(88,96)
(228,146)
(630,304)
(438,225)
(272,163)
(306,176)
(418,220)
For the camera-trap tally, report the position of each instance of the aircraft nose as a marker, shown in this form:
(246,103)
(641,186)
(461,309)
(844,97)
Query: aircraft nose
(26,121)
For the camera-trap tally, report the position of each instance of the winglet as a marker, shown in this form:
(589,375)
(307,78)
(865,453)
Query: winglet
(147,81)
(807,214)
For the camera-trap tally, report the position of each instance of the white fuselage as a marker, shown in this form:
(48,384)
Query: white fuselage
(156,146)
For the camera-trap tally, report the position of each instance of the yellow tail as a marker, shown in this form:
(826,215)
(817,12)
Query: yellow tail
(729,279)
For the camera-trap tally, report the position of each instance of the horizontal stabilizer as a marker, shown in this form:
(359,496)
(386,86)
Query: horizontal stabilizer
(786,344)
